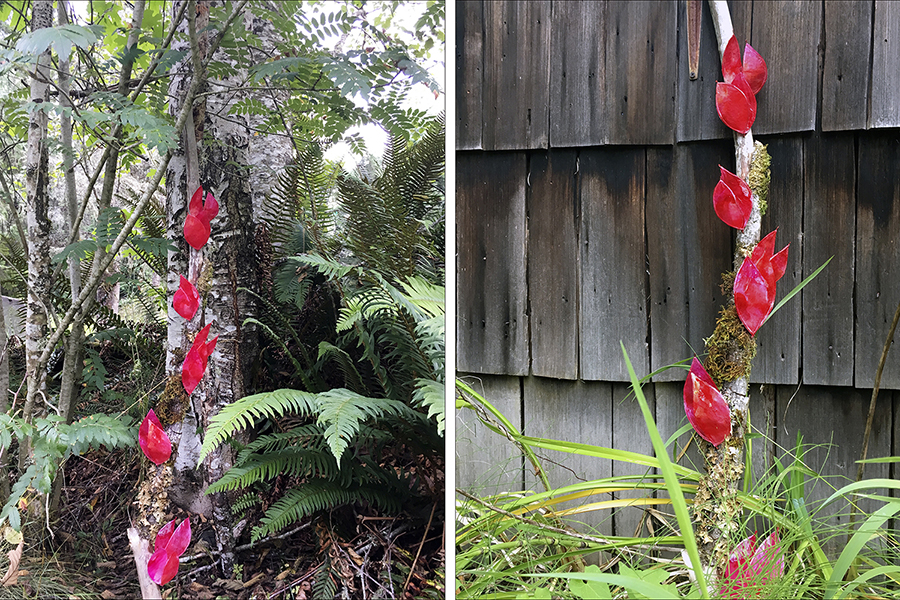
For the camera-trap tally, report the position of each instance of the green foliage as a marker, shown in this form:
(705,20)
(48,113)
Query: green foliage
(54,441)
(375,388)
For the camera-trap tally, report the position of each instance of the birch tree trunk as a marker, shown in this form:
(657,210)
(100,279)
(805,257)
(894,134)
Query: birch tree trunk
(214,152)
(37,222)
(730,349)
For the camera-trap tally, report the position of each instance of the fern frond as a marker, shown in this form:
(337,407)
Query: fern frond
(341,412)
(429,394)
(298,462)
(352,378)
(315,496)
(245,412)
(98,430)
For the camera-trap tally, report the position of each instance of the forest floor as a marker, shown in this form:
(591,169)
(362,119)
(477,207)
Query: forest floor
(352,553)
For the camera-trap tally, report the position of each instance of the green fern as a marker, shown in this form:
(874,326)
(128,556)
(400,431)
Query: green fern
(245,412)
(316,496)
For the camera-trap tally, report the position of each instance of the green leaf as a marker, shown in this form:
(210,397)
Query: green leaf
(61,37)
(588,590)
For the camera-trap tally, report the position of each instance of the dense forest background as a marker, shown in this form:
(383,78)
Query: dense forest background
(309,457)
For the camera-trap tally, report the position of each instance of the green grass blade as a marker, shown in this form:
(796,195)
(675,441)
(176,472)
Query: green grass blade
(672,483)
(797,289)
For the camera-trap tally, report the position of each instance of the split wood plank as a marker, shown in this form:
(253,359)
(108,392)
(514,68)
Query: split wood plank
(641,63)
(613,263)
(578,115)
(469,71)
(786,34)
(572,411)
(777,358)
(845,79)
(688,249)
(553,264)
(491,321)
(486,462)
(832,421)
(829,211)
(877,257)
(885,57)
(516,106)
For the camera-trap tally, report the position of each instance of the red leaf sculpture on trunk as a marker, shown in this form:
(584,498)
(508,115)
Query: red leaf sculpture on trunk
(754,284)
(736,97)
(732,200)
(170,545)
(153,440)
(705,406)
(186,300)
(195,362)
(201,212)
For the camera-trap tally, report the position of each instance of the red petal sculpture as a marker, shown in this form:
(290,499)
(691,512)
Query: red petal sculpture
(153,440)
(755,70)
(731,199)
(731,60)
(771,266)
(736,98)
(170,545)
(186,300)
(705,407)
(201,211)
(195,361)
(753,297)
(734,107)
(196,232)
(750,566)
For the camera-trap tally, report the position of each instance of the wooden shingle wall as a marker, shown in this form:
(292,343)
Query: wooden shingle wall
(587,164)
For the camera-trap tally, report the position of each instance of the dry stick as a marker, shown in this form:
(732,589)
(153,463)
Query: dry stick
(865,449)
(419,551)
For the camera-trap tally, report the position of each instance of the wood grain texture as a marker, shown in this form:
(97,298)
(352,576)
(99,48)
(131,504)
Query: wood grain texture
(578,115)
(845,79)
(573,411)
(641,49)
(829,207)
(491,319)
(688,248)
(613,263)
(553,264)
(885,57)
(487,463)
(630,433)
(778,341)
(877,257)
(469,72)
(786,34)
(832,421)
(516,106)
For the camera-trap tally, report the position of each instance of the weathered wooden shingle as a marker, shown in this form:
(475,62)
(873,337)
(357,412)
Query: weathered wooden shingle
(688,247)
(829,220)
(613,263)
(573,411)
(641,47)
(845,79)
(553,264)
(469,71)
(491,320)
(578,115)
(516,106)
(786,34)
(877,256)
(778,341)
(885,58)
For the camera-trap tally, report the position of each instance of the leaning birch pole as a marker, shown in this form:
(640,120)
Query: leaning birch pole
(730,350)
